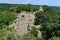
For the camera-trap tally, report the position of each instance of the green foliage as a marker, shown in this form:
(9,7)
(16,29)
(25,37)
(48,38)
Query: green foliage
(55,38)
(39,18)
(7,17)
(6,7)
(7,34)
(27,7)
(34,31)
(34,8)
(17,9)
(49,20)
(27,37)
(47,8)
(2,25)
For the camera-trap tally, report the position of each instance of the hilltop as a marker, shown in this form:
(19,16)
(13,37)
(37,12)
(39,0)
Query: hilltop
(43,24)
(6,7)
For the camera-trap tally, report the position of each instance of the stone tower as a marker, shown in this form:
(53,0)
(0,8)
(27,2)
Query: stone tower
(40,8)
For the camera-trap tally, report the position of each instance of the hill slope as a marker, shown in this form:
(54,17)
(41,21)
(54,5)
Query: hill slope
(6,7)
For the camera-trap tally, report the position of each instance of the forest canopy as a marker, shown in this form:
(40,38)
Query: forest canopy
(49,19)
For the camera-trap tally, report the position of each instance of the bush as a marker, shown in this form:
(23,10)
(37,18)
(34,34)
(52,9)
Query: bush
(7,17)
(34,31)
(27,37)
(55,38)
(2,26)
